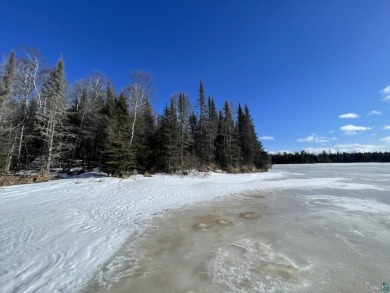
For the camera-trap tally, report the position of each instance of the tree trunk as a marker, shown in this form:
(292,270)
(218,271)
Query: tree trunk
(50,145)
(10,154)
(20,142)
(133,124)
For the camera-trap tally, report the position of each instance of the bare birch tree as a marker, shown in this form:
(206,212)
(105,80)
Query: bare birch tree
(140,90)
(27,87)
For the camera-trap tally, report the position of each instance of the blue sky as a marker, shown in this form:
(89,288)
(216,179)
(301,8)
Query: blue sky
(314,73)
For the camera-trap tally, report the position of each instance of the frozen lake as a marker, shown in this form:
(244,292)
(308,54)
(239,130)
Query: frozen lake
(304,237)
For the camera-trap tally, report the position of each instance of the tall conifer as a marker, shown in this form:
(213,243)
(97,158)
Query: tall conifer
(52,120)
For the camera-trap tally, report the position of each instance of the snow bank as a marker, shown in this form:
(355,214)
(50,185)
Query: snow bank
(55,235)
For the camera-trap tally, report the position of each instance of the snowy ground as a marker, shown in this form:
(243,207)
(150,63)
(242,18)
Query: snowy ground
(54,236)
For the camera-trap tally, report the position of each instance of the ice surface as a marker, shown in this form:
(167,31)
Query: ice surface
(350,204)
(57,236)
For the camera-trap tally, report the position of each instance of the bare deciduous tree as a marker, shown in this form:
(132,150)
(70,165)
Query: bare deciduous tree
(29,77)
(140,89)
(88,100)
(52,115)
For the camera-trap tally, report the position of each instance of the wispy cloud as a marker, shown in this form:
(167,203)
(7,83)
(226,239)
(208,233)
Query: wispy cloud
(320,150)
(386,93)
(357,147)
(350,148)
(374,113)
(280,152)
(349,116)
(353,129)
(267,137)
(386,139)
(314,138)
(386,127)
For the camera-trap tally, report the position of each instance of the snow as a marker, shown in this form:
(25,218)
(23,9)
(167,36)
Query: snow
(54,236)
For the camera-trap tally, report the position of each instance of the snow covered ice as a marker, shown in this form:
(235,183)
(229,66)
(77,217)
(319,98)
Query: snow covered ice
(63,236)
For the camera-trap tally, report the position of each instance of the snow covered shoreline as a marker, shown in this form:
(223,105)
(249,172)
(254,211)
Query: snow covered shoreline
(54,236)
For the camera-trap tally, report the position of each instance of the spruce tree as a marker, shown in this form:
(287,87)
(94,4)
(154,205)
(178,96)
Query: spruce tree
(219,143)
(7,80)
(8,134)
(229,148)
(52,120)
(169,139)
(252,152)
(211,130)
(186,138)
(119,158)
(201,129)
(144,141)
(193,126)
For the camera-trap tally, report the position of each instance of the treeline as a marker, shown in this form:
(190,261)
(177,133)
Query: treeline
(45,122)
(324,157)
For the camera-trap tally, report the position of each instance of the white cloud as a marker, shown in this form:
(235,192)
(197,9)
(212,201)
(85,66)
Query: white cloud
(314,138)
(386,139)
(374,113)
(349,116)
(320,150)
(386,93)
(352,129)
(386,127)
(280,152)
(363,148)
(350,148)
(267,138)
(331,132)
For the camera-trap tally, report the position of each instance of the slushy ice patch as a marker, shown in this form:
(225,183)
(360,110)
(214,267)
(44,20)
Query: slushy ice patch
(249,215)
(210,222)
(247,265)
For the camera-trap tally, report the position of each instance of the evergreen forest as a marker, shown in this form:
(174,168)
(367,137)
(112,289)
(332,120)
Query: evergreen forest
(328,157)
(47,122)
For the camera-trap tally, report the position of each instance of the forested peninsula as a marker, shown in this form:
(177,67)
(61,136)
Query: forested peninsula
(47,122)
